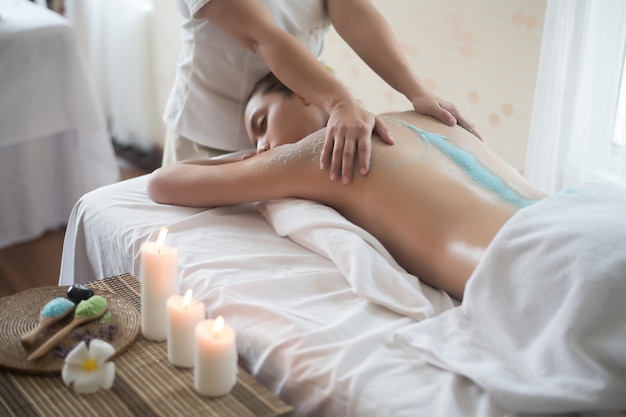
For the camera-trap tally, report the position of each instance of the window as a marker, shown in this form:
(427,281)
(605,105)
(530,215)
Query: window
(578,128)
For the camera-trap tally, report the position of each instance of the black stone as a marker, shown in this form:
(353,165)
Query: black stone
(78,293)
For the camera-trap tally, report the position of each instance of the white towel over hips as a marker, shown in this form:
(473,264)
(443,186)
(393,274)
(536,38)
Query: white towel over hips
(542,327)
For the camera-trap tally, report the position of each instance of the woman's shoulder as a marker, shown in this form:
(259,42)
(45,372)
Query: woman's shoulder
(304,152)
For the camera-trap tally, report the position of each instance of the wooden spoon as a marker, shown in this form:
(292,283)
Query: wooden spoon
(51,313)
(85,312)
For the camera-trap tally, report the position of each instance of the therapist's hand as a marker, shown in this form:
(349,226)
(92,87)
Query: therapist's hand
(443,110)
(349,138)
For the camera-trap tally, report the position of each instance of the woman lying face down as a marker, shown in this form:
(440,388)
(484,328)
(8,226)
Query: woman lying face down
(435,199)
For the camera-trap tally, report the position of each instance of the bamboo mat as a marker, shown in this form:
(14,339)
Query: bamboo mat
(146,384)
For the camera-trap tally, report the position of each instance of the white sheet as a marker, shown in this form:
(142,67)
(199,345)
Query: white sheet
(365,263)
(301,328)
(54,144)
(542,327)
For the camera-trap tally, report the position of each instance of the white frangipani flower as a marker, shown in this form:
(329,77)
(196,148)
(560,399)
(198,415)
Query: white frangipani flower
(87,367)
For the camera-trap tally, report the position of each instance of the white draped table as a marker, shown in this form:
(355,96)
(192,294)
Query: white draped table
(54,142)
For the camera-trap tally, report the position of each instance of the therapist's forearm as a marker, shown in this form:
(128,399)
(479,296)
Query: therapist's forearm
(370,36)
(300,70)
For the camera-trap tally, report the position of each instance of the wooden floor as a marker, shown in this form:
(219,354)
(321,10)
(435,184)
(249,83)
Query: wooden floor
(38,262)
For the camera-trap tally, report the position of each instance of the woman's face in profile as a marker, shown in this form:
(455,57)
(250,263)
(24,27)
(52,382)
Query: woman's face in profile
(275,119)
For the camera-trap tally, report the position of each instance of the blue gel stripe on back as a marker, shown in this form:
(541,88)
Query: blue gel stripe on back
(468,163)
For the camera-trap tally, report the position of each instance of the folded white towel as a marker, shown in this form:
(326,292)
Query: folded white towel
(542,327)
(362,259)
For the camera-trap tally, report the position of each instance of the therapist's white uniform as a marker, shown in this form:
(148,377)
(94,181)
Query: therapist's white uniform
(215,73)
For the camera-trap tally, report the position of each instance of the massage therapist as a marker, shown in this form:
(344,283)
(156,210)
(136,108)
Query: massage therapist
(228,45)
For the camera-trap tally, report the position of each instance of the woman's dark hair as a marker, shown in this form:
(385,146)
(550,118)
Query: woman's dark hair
(268,84)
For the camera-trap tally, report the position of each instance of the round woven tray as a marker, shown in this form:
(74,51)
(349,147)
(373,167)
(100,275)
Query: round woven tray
(19,313)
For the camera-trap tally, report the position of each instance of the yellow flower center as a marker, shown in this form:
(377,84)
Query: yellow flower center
(90,365)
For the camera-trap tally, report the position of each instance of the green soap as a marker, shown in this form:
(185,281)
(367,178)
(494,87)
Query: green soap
(91,307)
(106,318)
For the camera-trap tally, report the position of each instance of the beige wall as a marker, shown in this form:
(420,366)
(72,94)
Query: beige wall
(482,55)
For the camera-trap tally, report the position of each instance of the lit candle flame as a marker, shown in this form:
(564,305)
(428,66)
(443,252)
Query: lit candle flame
(218,326)
(162,235)
(187,298)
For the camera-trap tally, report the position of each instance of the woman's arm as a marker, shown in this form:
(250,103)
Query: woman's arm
(370,36)
(196,184)
(276,173)
(350,126)
(208,161)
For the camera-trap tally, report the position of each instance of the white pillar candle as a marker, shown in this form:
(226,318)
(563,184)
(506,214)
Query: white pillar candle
(159,280)
(215,371)
(183,314)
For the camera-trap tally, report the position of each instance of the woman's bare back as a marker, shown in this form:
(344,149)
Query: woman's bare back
(435,199)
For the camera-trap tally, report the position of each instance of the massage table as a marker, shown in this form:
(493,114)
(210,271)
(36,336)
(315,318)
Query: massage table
(54,143)
(329,322)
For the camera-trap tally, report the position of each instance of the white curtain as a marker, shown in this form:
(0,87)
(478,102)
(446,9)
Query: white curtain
(577,98)
(117,38)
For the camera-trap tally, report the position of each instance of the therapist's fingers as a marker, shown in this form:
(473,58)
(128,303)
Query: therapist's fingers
(383,131)
(434,106)
(327,150)
(248,155)
(341,151)
(365,144)
(444,111)
(364,153)
(332,153)
(460,120)
(469,126)
(336,157)
(347,150)
(349,126)
(446,114)
(347,160)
